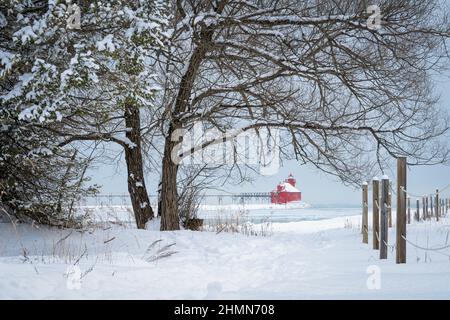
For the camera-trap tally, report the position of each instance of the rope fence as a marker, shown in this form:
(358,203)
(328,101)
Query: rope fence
(434,206)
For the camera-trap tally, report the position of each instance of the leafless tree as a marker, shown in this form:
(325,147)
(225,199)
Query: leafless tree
(347,92)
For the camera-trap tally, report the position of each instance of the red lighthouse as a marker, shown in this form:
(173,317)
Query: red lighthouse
(286,192)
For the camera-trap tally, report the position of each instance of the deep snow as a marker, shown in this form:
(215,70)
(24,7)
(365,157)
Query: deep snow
(321,259)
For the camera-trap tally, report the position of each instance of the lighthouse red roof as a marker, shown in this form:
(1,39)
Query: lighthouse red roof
(288,187)
(286,191)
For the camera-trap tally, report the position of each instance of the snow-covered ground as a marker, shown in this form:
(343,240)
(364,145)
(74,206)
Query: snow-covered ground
(317,259)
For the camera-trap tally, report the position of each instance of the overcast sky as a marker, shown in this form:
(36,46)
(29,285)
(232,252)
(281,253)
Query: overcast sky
(317,188)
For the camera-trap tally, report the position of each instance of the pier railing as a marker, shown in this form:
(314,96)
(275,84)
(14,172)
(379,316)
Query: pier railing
(111,199)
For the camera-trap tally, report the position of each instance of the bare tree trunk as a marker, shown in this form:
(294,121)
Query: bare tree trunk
(133,156)
(169,195)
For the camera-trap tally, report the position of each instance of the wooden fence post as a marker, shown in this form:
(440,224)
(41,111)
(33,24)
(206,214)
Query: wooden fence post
(437,205)
(431,206)
(365,213)
(409,210)
(417,215)
(389,206)
(383,217)
(401,211)
(375,212)
(424,210)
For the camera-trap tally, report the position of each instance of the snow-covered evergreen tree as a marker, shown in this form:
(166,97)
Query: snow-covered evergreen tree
(88,69)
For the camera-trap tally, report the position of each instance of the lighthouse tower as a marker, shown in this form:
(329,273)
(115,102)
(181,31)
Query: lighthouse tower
(291,180)
(286,192)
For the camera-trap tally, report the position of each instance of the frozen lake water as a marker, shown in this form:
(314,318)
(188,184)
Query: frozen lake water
(254,213)
(119,209)
(278,215)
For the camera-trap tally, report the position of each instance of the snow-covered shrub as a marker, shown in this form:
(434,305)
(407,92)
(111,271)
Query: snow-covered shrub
(239,223)
(190,189)
(38,180)
(189,202)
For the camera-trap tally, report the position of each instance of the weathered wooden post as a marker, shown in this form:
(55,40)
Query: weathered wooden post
(375,212)
(437,205)
(426,208)
(383,217)
(401,210)
(431,206)
(424,211)
(409,210)
(365,212)
(417,215)
(389,207)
